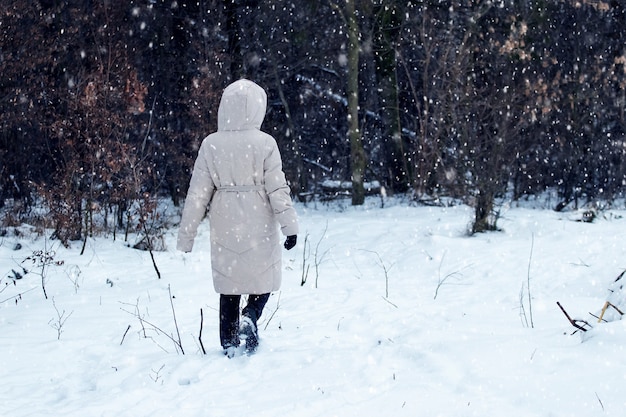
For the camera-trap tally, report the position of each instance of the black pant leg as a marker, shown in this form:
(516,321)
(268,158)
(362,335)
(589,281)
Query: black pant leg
(229,320)
(255,306)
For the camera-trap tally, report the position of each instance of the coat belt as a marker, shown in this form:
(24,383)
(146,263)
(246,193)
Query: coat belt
(241,188)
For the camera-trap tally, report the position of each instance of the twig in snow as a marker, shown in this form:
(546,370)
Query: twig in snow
(390,302)
(581,263)
(273,312)
(43,259)
(157,374)
(16,297)
(149,240)
(523,315)
(180,343)
(441,281)
(600,401)
(143,322)
(386,269)
(201,326)
(530,303)
(60,320)
(125,333)
(317,257)
(522,309)
(305,265)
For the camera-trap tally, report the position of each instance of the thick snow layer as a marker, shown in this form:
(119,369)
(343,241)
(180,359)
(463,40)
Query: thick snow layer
(402,313)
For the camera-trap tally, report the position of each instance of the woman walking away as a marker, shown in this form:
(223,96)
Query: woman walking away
(238,176)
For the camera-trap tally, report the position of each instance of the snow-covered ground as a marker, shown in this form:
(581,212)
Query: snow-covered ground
(402,314)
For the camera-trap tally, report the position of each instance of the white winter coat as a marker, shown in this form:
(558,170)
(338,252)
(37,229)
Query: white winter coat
(238,176)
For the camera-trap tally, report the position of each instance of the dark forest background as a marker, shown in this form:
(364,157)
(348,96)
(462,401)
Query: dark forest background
(103,103)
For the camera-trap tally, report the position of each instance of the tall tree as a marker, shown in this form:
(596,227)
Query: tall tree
(388,17)
(233,31)
(493,110)
(357,153)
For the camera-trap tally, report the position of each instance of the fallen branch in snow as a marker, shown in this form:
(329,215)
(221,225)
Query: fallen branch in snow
(16,297)
(574,322)
(615,300)
(605,307)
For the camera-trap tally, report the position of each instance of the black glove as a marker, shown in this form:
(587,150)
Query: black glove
(291,241)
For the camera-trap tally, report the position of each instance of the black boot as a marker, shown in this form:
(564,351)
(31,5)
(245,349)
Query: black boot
(229,323)
(251,313)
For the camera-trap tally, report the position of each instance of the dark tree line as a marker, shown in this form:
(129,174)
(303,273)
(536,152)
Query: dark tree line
(103,104)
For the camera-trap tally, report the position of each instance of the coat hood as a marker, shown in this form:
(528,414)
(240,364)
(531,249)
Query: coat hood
(242,106)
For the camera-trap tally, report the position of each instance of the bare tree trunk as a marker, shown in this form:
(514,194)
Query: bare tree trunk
(293,136)
(357,153)
(387,22)
(234,39)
